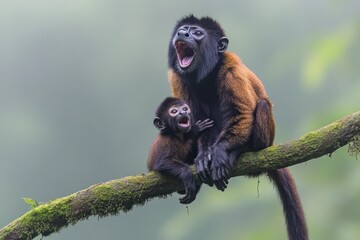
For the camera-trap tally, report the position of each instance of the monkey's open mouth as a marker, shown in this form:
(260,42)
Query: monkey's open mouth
(184,53)
(184,122)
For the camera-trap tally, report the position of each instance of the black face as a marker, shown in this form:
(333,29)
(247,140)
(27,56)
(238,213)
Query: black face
(173,116)
(196,47)
(186,42)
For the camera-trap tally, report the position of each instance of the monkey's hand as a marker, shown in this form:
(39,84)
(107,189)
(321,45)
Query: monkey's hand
(190,191)
(220,166)
(202,125)
(202,163)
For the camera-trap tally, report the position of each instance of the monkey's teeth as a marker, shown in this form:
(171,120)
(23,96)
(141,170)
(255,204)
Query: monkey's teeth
(184,124)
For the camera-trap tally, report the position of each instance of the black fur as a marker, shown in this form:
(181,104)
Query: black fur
(208,23)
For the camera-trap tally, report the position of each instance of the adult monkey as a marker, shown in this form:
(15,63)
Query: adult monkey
(217,85)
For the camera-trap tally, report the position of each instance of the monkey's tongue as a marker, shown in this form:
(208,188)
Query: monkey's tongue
(184,122)
(186,61)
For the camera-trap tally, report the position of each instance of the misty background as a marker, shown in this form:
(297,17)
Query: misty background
(80,81)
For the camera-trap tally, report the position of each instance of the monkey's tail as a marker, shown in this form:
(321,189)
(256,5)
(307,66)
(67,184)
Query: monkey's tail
(263,136)
(294,214)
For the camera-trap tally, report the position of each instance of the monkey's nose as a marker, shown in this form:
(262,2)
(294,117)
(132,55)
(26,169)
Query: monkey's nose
(183,33)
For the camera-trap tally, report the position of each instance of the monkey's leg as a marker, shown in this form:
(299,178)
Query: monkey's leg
(182,171)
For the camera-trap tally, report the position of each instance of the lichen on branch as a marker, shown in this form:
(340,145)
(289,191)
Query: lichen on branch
(354,146)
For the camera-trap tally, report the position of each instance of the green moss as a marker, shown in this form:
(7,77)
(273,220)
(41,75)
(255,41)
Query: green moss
(44,219)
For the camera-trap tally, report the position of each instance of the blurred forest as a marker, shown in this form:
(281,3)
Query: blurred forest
(80,81)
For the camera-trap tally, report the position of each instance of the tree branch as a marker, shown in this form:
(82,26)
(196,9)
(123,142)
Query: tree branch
(111,197)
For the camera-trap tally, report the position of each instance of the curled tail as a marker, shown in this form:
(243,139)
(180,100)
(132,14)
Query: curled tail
(294,215)
(263,136)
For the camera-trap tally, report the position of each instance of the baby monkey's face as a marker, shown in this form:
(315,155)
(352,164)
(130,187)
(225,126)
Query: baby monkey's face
(181,114)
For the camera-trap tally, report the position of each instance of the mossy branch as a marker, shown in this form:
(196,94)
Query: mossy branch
(118,195)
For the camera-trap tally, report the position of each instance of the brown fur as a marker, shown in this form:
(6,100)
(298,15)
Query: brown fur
(172,148)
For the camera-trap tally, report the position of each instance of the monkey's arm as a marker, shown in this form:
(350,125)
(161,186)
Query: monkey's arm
(240,100)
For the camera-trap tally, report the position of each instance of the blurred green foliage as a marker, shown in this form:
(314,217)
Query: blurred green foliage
(79,82)
(327,51)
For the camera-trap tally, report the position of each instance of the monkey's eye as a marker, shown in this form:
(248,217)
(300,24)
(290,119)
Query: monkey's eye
(198,33)
(173,111)
(185,109)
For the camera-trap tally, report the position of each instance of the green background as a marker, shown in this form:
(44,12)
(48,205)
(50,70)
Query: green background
(80,81)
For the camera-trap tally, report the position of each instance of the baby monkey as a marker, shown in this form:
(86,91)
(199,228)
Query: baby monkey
(175,148)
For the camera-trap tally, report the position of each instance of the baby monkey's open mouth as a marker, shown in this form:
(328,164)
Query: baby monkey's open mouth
(184,122)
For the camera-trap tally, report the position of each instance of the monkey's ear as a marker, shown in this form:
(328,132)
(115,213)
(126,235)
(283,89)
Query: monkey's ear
(223,44)
(159,124)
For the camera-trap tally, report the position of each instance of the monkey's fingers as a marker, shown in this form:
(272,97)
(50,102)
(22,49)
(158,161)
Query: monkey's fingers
(188,198)
(207,123)
(205,177)
(202,171)
(224,174)
(190,194)
(219,180)
(220,185)
(207,164)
